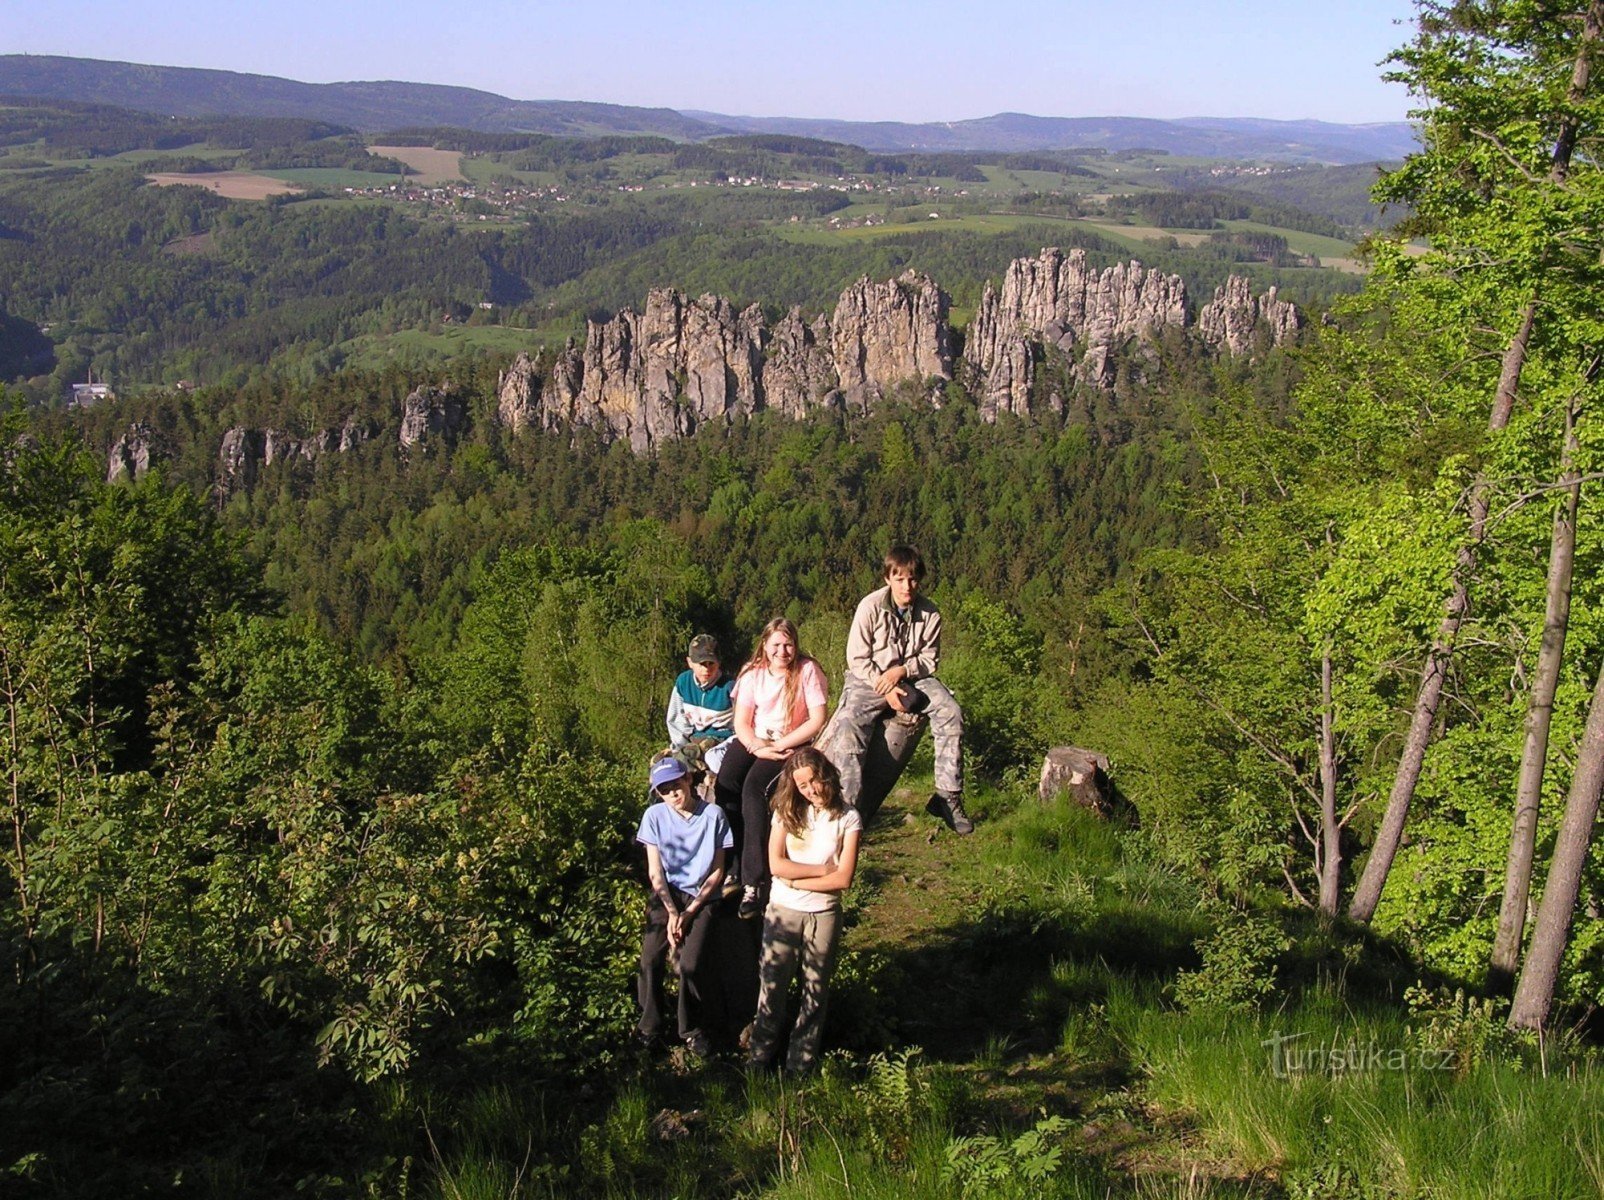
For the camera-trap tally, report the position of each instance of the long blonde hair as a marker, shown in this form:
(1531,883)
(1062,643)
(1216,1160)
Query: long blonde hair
(790,805)
(793,675)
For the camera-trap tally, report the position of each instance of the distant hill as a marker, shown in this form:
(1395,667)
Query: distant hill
(371,106)
(1207,137)
(384,105)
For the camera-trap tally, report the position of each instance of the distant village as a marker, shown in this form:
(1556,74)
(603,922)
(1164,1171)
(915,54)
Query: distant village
(507,196)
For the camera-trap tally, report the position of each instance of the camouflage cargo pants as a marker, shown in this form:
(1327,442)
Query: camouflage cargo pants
(861,707)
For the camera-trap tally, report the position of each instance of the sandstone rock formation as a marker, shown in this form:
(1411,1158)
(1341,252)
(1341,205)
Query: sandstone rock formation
(130,455)
(885,333)
(1228,321)
(352,434)
(1058,300)
(517,394)
(238,458)
(799,369)
(430,412)
(243,452)
(663,373)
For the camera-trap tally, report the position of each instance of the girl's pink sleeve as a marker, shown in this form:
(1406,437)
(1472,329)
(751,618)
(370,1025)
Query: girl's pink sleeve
(815,687)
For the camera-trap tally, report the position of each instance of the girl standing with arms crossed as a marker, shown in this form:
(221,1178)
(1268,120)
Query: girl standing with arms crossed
(781,696)
(813,852)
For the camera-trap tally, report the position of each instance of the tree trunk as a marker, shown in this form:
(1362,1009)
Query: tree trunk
(1539,714)
(1330,850)
(1367,895)
(1535,995)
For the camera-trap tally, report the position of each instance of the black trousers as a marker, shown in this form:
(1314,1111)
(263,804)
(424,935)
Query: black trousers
(742,789)
(654,967)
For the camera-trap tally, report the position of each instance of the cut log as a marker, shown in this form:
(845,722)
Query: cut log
(891,745)
(1081,773)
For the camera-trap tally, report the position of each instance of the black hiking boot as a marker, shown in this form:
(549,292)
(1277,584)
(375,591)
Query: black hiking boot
(950,809)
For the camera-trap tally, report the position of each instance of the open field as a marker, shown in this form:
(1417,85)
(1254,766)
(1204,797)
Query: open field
(428,165)
(1298,241)
(336,177)
(1142,233)
(234,185)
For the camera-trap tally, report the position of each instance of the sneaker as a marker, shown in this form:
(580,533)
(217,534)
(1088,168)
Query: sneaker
(751,902)
(699,1044)
(950,809)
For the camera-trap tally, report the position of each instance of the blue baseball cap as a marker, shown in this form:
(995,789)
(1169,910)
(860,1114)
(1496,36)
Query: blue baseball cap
(667,770)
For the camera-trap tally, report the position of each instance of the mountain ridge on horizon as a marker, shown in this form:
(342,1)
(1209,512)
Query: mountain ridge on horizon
(379,105)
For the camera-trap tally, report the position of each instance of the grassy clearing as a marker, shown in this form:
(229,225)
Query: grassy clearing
(442,344)
(235,185)
(482,169)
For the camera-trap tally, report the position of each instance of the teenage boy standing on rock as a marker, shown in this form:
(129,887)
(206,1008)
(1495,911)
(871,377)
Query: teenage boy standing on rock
(893,652)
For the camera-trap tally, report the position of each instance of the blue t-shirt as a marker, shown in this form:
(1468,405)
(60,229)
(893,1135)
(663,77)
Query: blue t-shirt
(686,844)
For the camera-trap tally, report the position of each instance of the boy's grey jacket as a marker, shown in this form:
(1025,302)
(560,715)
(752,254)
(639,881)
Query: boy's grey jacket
(881,638)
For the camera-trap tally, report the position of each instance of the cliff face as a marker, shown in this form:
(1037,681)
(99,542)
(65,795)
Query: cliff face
(1229,320)
(661,374)
(429,413)
(243,452)
(1056,299)
(887,333)
(799,370)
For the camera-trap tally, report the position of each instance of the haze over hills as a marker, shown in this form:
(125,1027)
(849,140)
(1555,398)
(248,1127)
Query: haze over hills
(380,105)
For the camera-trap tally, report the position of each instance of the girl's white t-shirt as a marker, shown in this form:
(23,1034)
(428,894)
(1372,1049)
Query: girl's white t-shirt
(820,842)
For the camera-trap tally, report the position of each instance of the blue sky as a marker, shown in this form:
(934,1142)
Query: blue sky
(937,60)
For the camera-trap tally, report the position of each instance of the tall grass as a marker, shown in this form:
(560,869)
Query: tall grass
(1363,1097)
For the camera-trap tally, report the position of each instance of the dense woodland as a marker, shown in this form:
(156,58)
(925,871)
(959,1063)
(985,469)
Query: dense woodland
(319,792)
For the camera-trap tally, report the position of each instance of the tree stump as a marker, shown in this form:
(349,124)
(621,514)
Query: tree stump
(891,744)
(1081,773)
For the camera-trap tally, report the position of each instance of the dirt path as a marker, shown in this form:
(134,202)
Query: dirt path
(979,991)
(910,864)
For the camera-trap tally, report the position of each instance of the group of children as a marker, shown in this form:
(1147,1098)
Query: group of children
(784,822)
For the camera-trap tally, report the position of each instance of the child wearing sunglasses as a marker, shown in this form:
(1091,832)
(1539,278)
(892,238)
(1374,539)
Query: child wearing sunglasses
(686,840)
